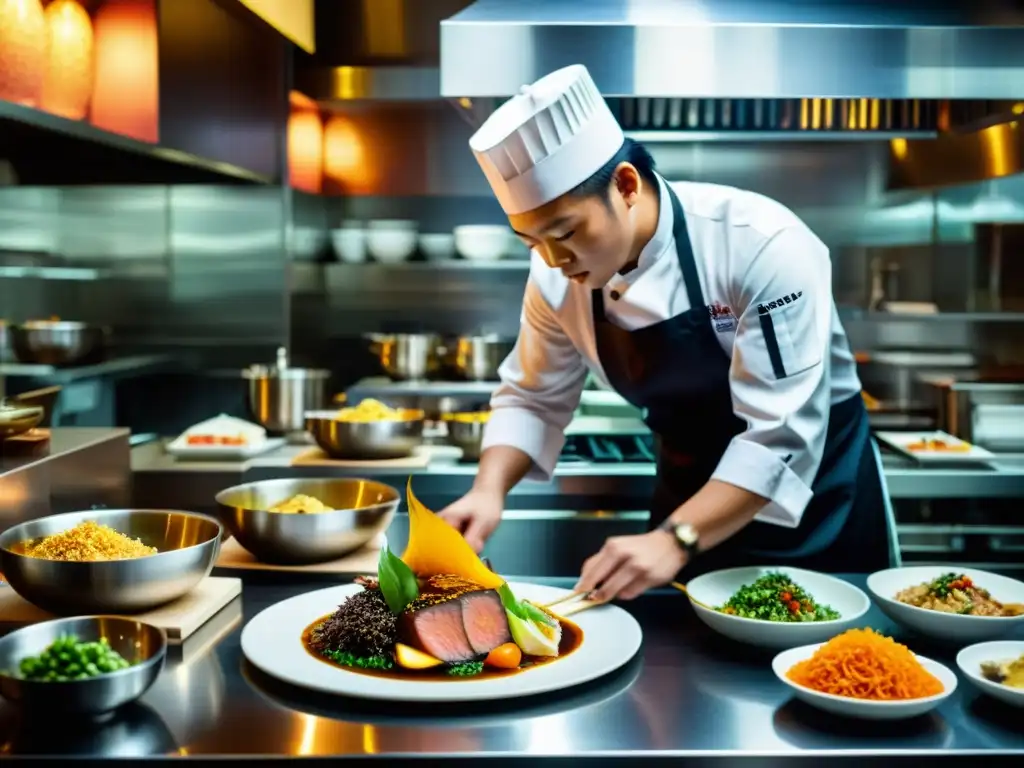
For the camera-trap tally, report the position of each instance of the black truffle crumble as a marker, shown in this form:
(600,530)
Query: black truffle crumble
(363,626)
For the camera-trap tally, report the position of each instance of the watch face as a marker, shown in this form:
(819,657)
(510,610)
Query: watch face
(686,534)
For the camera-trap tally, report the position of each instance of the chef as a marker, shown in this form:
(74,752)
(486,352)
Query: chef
(710,308)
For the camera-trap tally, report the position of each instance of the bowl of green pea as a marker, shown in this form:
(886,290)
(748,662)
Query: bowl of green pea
(85,665)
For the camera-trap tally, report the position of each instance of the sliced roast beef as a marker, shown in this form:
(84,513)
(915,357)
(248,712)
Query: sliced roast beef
(455,620)
(484,618)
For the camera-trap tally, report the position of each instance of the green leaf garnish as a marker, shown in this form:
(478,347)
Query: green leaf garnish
(398,583)
(521,608)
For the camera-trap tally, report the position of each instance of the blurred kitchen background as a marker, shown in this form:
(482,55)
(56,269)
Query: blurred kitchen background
(236,221)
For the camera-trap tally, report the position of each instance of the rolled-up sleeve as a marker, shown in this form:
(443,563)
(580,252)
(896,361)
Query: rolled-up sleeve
(541,382)
(779,373)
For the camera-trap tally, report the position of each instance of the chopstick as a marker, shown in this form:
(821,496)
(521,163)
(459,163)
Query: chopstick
(682,588)
(575,602)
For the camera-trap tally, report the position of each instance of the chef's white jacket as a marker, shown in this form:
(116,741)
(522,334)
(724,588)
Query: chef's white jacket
(750,251)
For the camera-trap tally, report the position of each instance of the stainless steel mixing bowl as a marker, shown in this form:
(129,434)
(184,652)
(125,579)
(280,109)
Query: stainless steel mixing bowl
(57,342)
(361,509)
(17,419)
(187,547)
(391,439)
(142,645)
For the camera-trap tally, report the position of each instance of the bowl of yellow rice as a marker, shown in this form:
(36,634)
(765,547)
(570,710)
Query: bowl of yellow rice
(109,560)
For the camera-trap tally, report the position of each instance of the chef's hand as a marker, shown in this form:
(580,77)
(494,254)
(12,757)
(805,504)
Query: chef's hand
(475,515)
(627,566)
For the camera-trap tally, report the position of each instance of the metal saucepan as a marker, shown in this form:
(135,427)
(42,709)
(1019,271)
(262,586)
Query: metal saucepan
(476,358)
(279,395)
(407,356)
(386,439)
(360,509)
(466,431)
(58,342)
(187,546)
(142,645)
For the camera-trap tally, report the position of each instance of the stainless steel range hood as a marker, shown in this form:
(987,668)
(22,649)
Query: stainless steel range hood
(741,49)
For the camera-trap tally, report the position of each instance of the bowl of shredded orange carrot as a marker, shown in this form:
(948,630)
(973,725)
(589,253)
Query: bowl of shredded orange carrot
(863,674)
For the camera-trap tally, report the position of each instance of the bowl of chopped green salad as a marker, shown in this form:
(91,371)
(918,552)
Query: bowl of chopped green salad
(776,607)
(84,665)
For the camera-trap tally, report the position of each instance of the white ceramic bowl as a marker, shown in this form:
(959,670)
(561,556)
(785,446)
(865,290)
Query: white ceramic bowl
(715,588)
(483,242)
(349,244)
(972,657)
(860,708)
(950,627)
(391,246)
(437,246)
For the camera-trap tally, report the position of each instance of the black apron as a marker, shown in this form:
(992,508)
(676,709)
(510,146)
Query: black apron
(678,372)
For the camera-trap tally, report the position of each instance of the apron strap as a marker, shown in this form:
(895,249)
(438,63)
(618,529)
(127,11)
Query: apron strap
(684,252)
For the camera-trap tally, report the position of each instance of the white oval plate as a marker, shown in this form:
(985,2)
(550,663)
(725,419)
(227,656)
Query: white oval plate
(971,658)
(272,641)
(716,587)
(860,708)
(947,627)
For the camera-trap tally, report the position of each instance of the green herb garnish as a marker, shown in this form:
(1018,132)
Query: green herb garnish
(466,669)
(398,583)
(361,662)
(774,597)
(947,582)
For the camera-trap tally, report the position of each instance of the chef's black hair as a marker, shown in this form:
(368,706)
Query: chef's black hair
(632,152)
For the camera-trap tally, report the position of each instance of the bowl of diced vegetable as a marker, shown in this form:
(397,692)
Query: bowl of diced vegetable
(85,665)
(775,606)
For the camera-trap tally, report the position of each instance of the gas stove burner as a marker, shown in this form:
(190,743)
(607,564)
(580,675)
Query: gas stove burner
(608,449)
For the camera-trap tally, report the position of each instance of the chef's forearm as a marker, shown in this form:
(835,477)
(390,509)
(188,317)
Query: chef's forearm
(718,511)
(501,467)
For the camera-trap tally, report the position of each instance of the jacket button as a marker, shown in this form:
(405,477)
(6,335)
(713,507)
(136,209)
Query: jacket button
(615,295)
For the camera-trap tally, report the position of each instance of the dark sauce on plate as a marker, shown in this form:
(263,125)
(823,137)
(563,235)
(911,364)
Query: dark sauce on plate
(572,638)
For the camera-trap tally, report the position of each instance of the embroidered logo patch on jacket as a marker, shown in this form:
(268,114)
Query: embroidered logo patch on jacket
(722,317)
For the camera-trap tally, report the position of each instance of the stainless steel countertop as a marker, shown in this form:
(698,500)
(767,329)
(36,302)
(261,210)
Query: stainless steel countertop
(905,478)
(63,440)
(690,694)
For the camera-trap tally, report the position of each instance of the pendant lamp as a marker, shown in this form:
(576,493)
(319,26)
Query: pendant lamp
(23,46)
(68,77)
(345,156)
(126,96)
(305,149)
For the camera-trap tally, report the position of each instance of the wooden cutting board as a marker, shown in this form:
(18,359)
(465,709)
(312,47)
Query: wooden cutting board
(361,562)
(315,457)
(178,619)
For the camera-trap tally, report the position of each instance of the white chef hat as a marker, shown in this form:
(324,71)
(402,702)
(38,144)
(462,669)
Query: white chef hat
(546,140)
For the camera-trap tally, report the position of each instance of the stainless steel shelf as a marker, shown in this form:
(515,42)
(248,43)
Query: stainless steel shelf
(20,118)
(114,367)
(684,136)
(51,273)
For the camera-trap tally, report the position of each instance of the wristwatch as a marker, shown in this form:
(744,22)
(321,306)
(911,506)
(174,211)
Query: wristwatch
(686,536)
